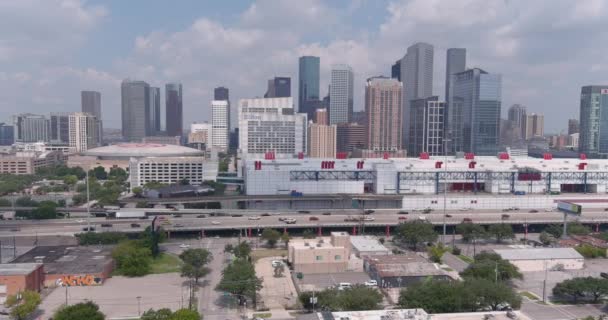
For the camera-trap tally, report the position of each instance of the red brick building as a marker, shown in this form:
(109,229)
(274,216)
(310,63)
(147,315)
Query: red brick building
(17,277)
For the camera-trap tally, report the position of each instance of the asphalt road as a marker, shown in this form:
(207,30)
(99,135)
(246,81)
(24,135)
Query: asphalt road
(253,219)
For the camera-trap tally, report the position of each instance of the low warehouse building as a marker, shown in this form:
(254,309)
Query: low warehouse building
(396,271)
(17,277)
(539,259)
(321,255)
(71,266)
(368,246)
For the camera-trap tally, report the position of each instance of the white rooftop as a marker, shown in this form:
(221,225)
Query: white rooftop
(419,314)
(367,244)
(538,254)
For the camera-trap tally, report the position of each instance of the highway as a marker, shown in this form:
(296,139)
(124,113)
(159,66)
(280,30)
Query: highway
(314,219)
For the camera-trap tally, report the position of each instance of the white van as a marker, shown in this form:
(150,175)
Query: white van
(344,286)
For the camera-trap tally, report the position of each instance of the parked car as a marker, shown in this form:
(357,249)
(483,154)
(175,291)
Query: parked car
(290,221)
(344,286)
(533,211)
(184,246)
(313,219)
(135,225)
(253,218)
(519,193)
(282,218)
(265,214)
(178,225)
(505,216)
(201,216)
(551,209)
(88,229)
(604,275)
(402,218)
(326,213)
(106,225)
(303,211)
(236,215)
(371,283)
(276,263)
(215,223)
(422,218)
(369,219)
(403,212)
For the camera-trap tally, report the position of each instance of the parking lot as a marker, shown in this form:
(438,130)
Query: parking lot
(323,281)
(539,311)
(124,297)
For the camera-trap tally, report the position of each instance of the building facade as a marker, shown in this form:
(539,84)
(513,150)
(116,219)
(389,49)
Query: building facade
(351,136)
(321,140)
(28,162)
(220,122)
(383,107)
(155,117)
(30,128)
(573,126)
(308,84)
(534,126)
(136,110)
(83,131)
(325,255)
(396,70)
(417,78)
(427,123)
(341,94)
(7,134)
(90,102)
(278,87)
(517,115)
(201,133)
(174,109)
(168,170)
(271,125)
(59,128)
(18,277)
(593,139)
(321,117)
(456,61)
(221,93)
(475,112)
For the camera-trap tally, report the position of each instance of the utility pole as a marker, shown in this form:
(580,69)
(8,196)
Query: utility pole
(14,248)
(88,204)
(445,186)
(66,293)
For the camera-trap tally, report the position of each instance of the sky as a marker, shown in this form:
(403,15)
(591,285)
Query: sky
(50,50)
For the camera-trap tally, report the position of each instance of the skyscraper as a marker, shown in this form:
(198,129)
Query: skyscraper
(456,61)
(83,131)
(517,115)
(427,123)
(220,124)
(136,110)
(60,128)
(321,116)
(173,109)
(475,112)
(308,84)
(573,126)
(341,94)
(30,128)
(221,93)
(383,101)
(351,136)
(533,126)
(321,140)
(7,134)
(396,70)
(91,104)
(278,87)
(593,138)
(417,78)
(271,125)
(155,110)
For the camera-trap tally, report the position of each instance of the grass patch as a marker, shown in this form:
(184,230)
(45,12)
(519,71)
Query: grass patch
(529,295)
(466,259)
(262,315)
(265,253)
(166,263)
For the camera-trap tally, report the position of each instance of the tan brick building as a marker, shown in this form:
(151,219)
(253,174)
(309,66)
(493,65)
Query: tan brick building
(320,255)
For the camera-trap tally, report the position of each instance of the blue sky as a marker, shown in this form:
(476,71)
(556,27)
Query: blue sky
(50,50)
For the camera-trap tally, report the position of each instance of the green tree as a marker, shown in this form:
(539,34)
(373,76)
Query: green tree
(23,304)
(438,297)
(577,228)
(358,298)
(83,310)
(160,314)
(576,289)
(99,173)
(26,202)
(101,238)
(285,239)
(555,230)
(118,174)
(132,260)
(186,314)
(591,252)
(137,191)
(546,238)
(501,231)
(415,233)
(45,210)
(491,266)
(154,185)
(436,252)
(471,232)
(195,263)
(242,250)
(239,279)
(5,203)
(492,295)
(141,204)
(151,239)
(70,180)
(271,236)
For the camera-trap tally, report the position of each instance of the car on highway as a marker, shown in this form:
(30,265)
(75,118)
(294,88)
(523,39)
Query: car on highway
(303,211)
(326,213)
(290,221)
(533,211)
(178,225)
(80,220)
(178,215)
(265,214)
(135,225)
(371,283)
(505,216)
(106,225)
(448,215)
(313,219)
(369,211)
(506,210)
(467,220)
(184,246)
(427,210)
(283,218)
(402,218)
(369,219)
(253,218)
(551,210)
(88,229)
(236,215)
(422,218)
(351,219)
(344,286)
(464,209)
(215,223)
(403,212)
(201,216)
(15,229)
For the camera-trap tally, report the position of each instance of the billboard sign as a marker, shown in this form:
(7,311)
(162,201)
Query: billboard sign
(569,207)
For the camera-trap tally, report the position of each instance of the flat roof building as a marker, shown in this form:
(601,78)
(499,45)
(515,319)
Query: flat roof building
(396,271)
(321,255)
(17,277)
(367,246)
(539,259)
(28,162)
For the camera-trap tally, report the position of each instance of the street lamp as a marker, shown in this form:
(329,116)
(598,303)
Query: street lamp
(138,306)
(445,186)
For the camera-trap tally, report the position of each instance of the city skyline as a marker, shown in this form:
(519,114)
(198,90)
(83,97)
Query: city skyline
(529,64)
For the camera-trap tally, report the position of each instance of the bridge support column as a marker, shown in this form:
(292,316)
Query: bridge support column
(354,231)
(285,230)
(388,231)
(319,231)
(525,231)
(249,232)
(597,227)
(202,233)
(168,234)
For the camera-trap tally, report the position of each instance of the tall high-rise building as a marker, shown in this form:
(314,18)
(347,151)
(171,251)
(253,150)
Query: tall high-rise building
(91,103)
(174,109)
(30,128)
(341,94)
(321,140)
(7,134)
(321,116)
(271,125)
(359,117)
(351,136)
(417,78)
(593,138)
(573,126)
(201,133)
(475,112)
(456,61)
(155,117)
(383,101)
(427,123)
(278,87)
(396,70)
(136,110)
(59,129)
(220,124)
(517,115)
(308,84)
(534,126)
(83,131)
(221,93)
